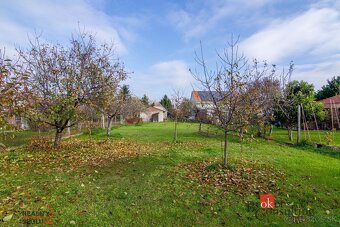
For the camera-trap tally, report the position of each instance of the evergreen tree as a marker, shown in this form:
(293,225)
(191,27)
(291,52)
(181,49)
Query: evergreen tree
(145,100)
(166,102)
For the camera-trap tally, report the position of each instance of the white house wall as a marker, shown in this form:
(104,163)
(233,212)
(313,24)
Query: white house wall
(160,117)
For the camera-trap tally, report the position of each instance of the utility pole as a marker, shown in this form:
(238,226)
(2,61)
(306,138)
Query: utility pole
(299,125)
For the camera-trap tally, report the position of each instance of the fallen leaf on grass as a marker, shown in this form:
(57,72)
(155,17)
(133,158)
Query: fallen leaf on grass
(243,178)
(7,218)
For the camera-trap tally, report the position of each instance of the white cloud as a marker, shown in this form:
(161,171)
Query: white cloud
(175,73)
(314,33)
(317,73)
(310,39)
(193,23)
(11,34)
(57,20)
(162,78)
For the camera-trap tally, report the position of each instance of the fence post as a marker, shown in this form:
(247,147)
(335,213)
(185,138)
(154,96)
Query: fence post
(299,125)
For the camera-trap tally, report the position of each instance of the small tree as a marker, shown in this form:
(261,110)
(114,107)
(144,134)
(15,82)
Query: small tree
(111,104)
(87,118)
(185,109)
(63,78)
(134,107)
(11,90)
(181,109)
(176,100)
(265,92)
(6,88)
(228,86)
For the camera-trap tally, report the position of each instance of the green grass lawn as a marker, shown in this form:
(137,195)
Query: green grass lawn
(18,138)
(141,178)
(313,136)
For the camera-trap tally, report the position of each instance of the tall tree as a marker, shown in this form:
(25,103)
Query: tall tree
(331,89)
(61,79)
(125,92)
(145,100)
(166,102)
(293,94)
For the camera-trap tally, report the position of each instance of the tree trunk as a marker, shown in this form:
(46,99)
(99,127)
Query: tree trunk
(103,121)
(225,153)
(271,130)
(264,131)
(68,129)
(108,127)
(241,140)
(175,135)
(57,139)
(200,127)
(290,134)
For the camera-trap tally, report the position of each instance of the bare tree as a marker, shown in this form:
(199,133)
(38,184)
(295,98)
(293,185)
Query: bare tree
(177,98)
(284,102)
(11,89)
(181,109)
(6,90)
(63,78)
(134,107)
(110,104)
(185,109)
(265,92)
(229,88)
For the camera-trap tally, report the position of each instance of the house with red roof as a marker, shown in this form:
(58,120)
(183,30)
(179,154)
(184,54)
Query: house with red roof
(331,102)
(203,104)
(332,106)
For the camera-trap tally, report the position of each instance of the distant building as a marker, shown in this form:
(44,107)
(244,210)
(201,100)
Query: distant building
(18,122)
(331,102)
(155,113)
(332,106)
(203,104)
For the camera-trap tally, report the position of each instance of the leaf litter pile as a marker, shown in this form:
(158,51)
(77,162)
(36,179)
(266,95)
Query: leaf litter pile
(73,153)
(245,177)
(29,174)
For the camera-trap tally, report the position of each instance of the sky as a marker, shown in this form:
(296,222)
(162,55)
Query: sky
(157,39)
